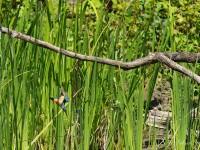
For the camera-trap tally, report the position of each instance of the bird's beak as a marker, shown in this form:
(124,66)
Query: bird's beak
(51,98)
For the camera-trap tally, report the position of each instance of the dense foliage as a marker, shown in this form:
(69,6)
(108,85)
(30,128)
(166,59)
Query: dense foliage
(107,105)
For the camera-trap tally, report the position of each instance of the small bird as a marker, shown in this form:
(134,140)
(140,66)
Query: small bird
(61,100)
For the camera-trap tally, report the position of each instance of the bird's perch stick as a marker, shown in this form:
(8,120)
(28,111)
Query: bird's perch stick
(167,58)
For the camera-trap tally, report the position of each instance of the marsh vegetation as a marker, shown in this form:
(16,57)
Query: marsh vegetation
(108,106)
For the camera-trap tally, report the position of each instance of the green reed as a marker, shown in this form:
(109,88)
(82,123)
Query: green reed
(107,108)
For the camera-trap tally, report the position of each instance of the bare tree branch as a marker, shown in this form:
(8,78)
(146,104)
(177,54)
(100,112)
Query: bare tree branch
(167,58)
(171,64)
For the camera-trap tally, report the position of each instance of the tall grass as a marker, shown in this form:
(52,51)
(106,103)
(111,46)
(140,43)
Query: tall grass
(107,107)
(180,106)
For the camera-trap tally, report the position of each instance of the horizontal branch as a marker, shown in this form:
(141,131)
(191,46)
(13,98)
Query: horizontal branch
(150,59)
(166,57)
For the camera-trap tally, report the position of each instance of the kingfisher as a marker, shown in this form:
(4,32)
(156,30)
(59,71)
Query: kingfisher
(61,100)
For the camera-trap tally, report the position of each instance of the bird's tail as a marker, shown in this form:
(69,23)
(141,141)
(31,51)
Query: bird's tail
(63,107)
